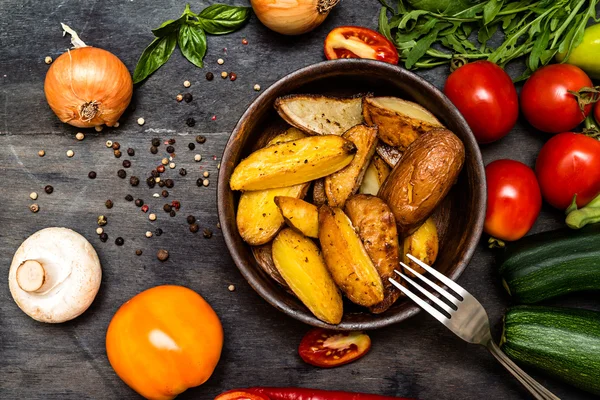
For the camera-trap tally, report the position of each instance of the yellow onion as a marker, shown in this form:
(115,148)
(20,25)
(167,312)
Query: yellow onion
(292,17)
(88,87)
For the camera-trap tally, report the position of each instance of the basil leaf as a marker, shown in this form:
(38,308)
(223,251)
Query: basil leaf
(491,9)
(154,56)
(220,19)
(168,27)
(192,43)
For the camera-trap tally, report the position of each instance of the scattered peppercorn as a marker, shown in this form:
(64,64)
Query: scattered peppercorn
(41,153)
(152,217)
(200,139)
(156,142)
(187,84)
(139,202)
(231,288)
(99,128)
(161,184)
(167,207)
(224,74)
(190,122)
(116,146)
(48,189)
(218,225)
(158,232)
(172,213)
(213,118)
(148,234)
(153,149)
(210,76)
(108,143)
(134,181)
(109,204)
(34,208)
(191,219)
(164,161)
(151,182)
(191,146)
(244,41)
(117,153)
(145,208)
(176,204)
(199,182)
(92,175)
(162,255)
(102,220)
(172,165)
(257,87)
(160,168)
(138,252)
(194,228)
(206,174)
(129,197)
(182,172)
(170,149)
(33,195)
(99,230)
(169,183)
(171,141)
(103,237)
(187,97)
(126,163)
(70,153)
(164,193)
(205,182)
(122,174)
(119,241)
(48,60)
(79,136)
(197,157)
(116,125)
(232,76)
(207,233)
(179,97)
(141,121)
(130,152)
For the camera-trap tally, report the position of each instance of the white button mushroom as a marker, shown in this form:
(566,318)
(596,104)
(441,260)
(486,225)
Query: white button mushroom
(55,275)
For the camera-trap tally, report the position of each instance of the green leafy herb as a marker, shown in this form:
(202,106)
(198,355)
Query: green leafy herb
(428,33)
(189,31)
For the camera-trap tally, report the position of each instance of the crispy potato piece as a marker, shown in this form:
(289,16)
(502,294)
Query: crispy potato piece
(264,258)
(320,115)
(376,227)
(422,178)
(301,265)
(389,154)
(319,196)
(400,121)
(290,134)
(377,172)
(292,163)
(299,215)
(344,183)
(347,259)
(423,244)
(258,218)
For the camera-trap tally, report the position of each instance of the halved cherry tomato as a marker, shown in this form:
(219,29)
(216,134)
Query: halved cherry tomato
(359,42)
(327,349)
(240,395)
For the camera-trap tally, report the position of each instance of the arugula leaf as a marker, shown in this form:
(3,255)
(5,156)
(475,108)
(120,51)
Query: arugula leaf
(491,9)
(155,55)
(192,43)
(421,47)
(220,19)
(384,26)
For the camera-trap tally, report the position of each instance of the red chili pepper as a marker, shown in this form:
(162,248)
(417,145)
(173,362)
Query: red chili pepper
(274,393)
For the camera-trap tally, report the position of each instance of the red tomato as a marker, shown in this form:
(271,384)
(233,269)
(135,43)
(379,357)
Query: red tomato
(359,42)
(514,199)
(568,165)
(546,102)
(328,349)
(486,96)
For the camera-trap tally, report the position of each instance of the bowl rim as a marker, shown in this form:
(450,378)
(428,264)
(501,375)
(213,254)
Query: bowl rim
(246,268)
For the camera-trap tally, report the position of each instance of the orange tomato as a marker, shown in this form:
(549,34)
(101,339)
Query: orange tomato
(164,341)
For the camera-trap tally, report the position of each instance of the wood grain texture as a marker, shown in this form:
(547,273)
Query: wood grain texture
(419,358)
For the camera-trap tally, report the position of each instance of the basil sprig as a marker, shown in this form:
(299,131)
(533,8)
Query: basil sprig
(189,32)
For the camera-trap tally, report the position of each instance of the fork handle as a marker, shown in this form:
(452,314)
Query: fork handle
(537,391)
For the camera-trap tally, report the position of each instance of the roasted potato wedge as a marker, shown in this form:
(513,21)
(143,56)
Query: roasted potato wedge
(376,227)
(301,265)
(423,244)
(287,136)
(292,163)
(342,184)
(320,115)
(264,258)
(376,173)
(389,154)
(318,194)
(400,121)
(299,215)
(422,178)
(347,259)
(258,218)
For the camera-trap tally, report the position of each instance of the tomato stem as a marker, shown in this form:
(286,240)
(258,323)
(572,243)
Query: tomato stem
(586,96)
(589,214)
(457,62)
(495,243)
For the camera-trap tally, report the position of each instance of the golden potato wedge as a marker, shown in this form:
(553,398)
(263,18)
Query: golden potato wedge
(347,259)
(400,121)
(263,255)
(258,218)
(301,265)
(389,154)
(376,227)
(320,115)
(376,173)
(342,184)
(299,215)
(319,196)
(422,178)
(423,244)
(287,136)
(292,163)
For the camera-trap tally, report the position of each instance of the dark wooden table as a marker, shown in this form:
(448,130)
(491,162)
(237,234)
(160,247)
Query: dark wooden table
(419,358)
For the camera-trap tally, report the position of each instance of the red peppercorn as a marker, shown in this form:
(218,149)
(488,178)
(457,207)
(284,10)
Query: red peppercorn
(232,76)
(145,208)
(160,168)
(214,118)
(244,41)
(175,204)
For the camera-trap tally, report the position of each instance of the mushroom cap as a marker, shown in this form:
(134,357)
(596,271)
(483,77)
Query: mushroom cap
(72,275)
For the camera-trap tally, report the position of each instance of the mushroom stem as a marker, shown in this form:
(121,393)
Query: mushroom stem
(31,276)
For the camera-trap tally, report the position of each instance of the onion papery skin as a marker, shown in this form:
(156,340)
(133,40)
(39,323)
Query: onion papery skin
(289,17)
(92,76)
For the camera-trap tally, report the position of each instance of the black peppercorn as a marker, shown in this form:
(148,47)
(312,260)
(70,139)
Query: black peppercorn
(138,252)
(134,181)
(49,189)
(164,193)
(187,97)
(156,142)
(190,122)
(139,202)
(194,228)
(191,146)
(170,149)
(116,146)
(129,197)
(154,173)
(126,163)
(153,149)
(207,233)
(182,172)
(117,153)
(210,76)
(161,184)
(200,139)
(169,183)
(191,219)
(158,232)
(122,174)
(130,152)
(103,237)
(199,182)
(172,213)
(109,203)
(151,182)
(92,175)
(167,207)
(119,241)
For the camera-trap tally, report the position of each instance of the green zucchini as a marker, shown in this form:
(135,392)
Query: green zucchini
(563,342)
(551,264)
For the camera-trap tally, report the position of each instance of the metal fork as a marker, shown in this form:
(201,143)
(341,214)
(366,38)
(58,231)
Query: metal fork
(468,320)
